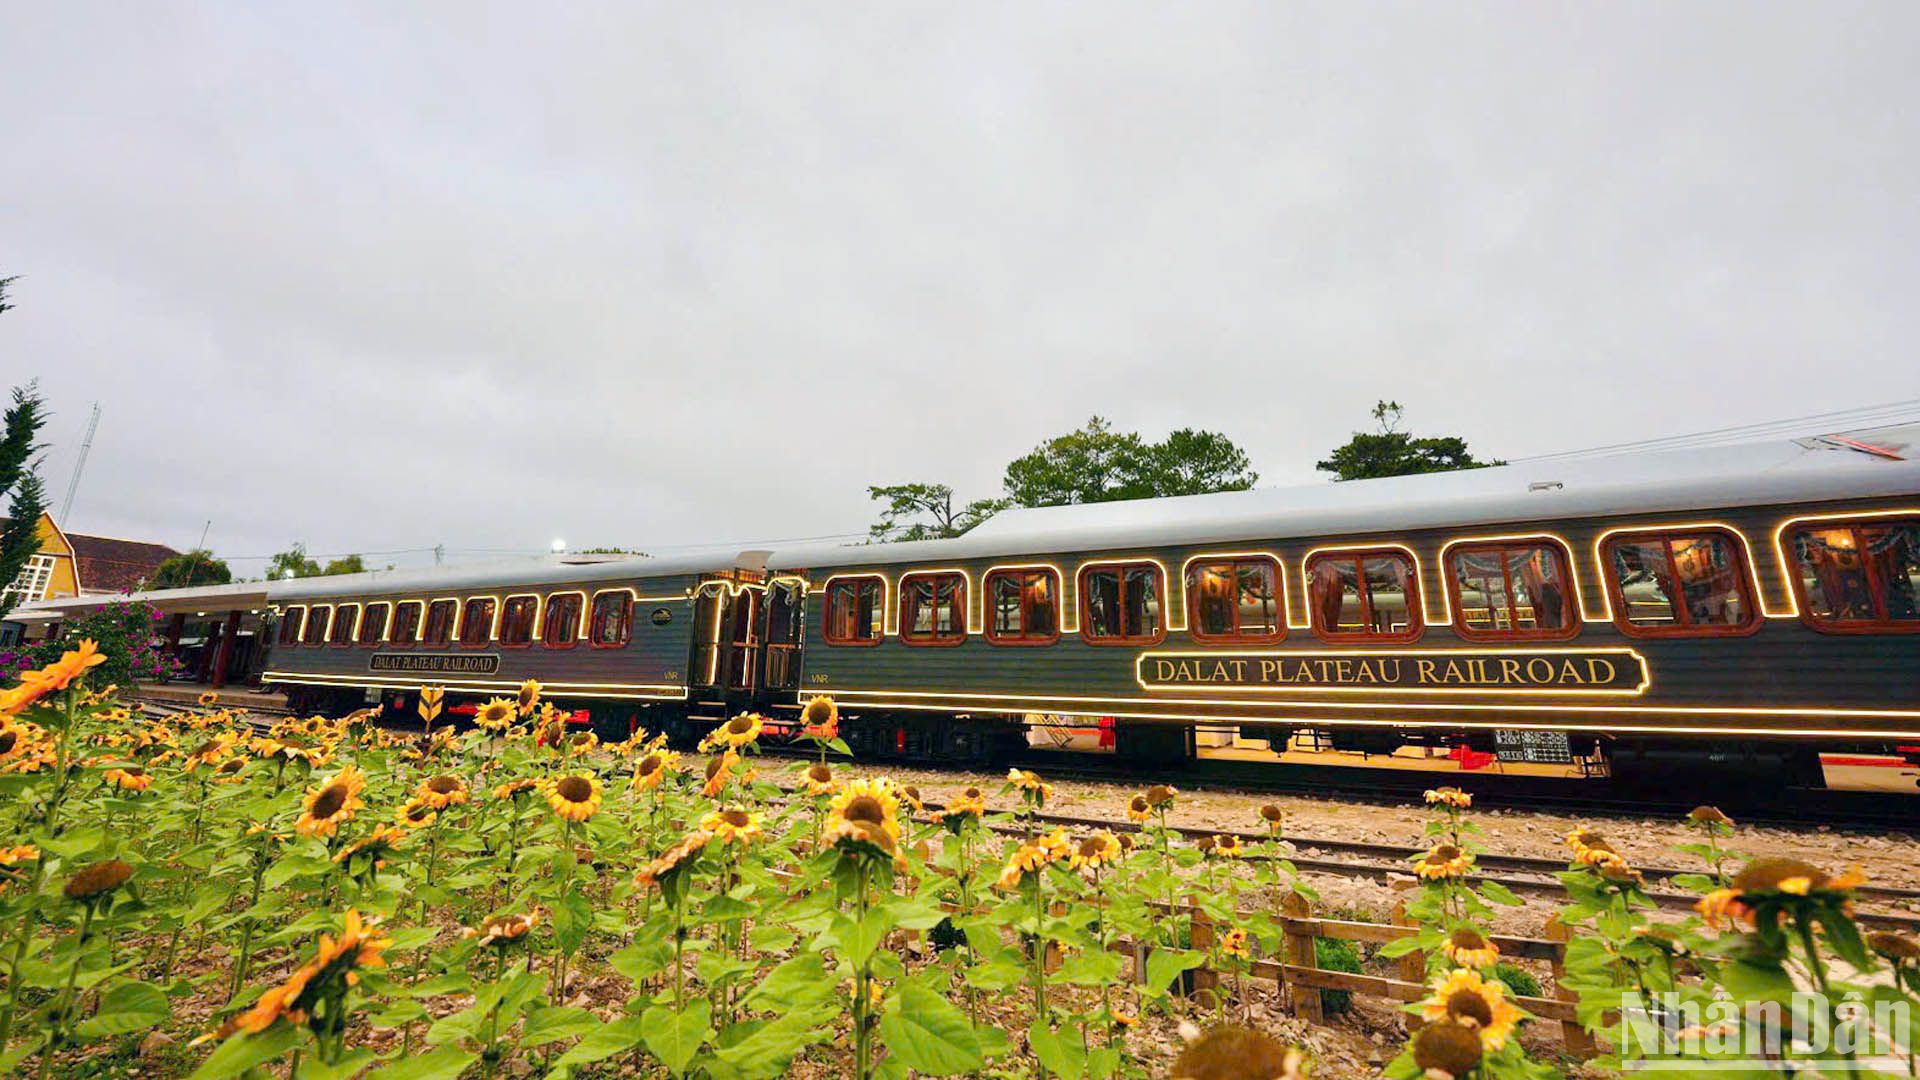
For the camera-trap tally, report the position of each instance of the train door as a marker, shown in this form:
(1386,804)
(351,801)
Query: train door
(786,605)
(742,637)
(709,618)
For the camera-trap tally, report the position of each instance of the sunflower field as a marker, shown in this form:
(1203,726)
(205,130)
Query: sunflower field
(326,898)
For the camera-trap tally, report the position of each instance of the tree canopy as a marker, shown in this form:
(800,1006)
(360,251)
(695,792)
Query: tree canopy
(1392,452)
(20,537)
(196,567)
(1094,464)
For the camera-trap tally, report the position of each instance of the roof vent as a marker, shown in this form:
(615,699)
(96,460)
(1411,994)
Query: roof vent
(1545,485)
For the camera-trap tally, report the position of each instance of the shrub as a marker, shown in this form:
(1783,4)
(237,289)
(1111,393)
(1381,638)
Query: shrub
(1335,954)
(1518,979)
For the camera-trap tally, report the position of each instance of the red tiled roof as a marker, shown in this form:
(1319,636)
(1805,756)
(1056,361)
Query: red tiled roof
(109,565)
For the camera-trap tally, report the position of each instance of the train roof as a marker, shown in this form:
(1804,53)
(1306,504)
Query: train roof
(1821,468)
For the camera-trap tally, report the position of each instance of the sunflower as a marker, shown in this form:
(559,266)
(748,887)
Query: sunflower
(416,815)
(1467,998)
(821,718)
(1274,817)
(383,840)
(1139,809)
(1450,797)
(652,769)
(1029,782)
(129,778)
(359,946)
(15,700)
(575,797)
(732,826)
(1898,948)
(969,803)
(1447,1049)
(673,860)
(1161,796)
(97,880)
(1470,948)
(443,791)
(1443,861)
(865,816)
(213,751)
(911,796)
(1227,846)
(1095,851)
(1234,943)
(719,770)
(62,672)
(505,929)
(17,737)
(1594,850)
(1709,816)
(528,697)
(1232,1052)
(514,788)
(495,714)
(741,730)
(12,857)
(819,780)
(331,804)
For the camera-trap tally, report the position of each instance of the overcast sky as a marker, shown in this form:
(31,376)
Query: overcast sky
(653,276)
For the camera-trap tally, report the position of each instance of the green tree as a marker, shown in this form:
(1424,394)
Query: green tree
(1099,464)
(350,564)
(196,567)
(292,563)
(20,536)
(1392,452)
(925,512)
(4,282)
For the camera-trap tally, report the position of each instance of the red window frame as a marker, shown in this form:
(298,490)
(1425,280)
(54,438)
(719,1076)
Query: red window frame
(561,602)
(1880,623)
(314,632)
(394,640)
(1025,575)
(1503,547)
(1121,570)
(341,632)
(491,605)
(516,633)
(836,594)
(1416,614)
(446,625)
(1233,563)
(360,635)
(289,629)
(943,580)
(1683,627)
(625,600)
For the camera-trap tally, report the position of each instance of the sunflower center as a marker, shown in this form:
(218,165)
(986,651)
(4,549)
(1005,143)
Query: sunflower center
(1446,853)
(443,785)
(866,808)
(739,725)
(1447,1047)
(736,818)
(714,767)
(649,764)
(1467,1005)
(819,773)
(332,798)
(1139,805)
(1467,939)
(574,789)
(8,739)
(1090,848)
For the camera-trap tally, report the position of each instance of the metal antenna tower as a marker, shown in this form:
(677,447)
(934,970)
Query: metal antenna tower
(86,444)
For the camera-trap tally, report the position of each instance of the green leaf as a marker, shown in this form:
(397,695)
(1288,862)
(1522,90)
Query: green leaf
(444,1063)
(797,982)
(771,938)
(545,1025)
(913,913)
(1088,969)
(124,1009)
(1497,893)
(1165,965)
(243,1052)
(675,1038)
(1063,1057)
(642,960)
(1412,943)
(926,1032)
(765,1050)
(617,1037)
(349,1066)
(857,940)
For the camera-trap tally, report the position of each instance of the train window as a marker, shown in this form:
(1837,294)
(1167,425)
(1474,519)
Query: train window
(1023,606)
(612,623)
(406,623)
(344,618)
(316,631)
(290,621)
(1120,604)
(476,621)
(373,624)
(1859,578)
(854,607)
(1512,591)
(1690,584)
(933,609)
(562,626)
(516,621)
(439,629)
(1235,600)
(1364,596)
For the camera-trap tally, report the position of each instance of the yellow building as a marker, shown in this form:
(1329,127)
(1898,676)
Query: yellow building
(73,564)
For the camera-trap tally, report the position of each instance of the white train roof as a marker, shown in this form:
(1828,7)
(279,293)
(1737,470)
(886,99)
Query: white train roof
(1816,469)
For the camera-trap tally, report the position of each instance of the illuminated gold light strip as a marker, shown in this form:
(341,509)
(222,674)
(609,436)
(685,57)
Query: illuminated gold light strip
(403,681)
(1646,679)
